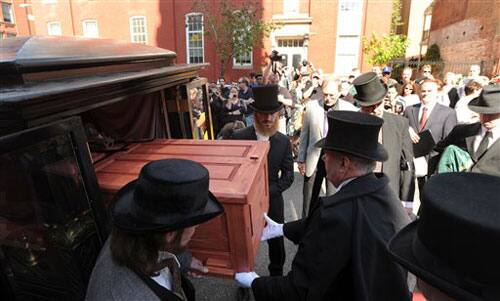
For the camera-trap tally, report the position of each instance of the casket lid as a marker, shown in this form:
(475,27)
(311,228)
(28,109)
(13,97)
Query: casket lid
(47,53)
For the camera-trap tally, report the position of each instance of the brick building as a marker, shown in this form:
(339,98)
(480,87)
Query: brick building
(325,32)
(467,31)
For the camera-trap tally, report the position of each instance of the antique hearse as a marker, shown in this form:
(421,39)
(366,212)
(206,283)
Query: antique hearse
(78,119)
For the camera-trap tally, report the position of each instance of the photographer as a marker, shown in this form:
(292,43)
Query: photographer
(216,106)
(233,109)
(272,76)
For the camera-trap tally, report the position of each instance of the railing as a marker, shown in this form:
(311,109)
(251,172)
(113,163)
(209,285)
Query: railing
(440,68)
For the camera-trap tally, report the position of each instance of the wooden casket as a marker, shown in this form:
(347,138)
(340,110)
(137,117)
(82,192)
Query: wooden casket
(239,180)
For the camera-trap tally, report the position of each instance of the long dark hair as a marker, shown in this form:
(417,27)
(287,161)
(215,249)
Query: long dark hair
(137,251)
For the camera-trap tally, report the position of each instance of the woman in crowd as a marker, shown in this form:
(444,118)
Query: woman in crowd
(408,95)
(234,109)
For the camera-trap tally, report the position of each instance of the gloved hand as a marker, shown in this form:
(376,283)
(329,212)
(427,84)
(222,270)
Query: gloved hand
(245,279)
(272,229)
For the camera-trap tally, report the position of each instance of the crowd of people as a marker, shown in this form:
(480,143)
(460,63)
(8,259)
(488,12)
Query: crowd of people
(371,140)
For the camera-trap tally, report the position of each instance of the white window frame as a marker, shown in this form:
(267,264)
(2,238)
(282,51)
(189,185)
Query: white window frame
(49,28)
(133,34)
(12,20)
(348,27)
(237,64)
(84,28)
(188,60)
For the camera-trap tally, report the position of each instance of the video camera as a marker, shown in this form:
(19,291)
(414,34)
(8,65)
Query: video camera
(275,56)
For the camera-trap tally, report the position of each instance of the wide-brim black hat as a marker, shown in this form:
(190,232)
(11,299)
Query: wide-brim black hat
(488,102)
(169,195)
(369,89)
(266,99)
(354,133)
(454,246)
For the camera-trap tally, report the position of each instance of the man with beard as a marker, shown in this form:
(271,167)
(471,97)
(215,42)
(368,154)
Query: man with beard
(154,218)
(280,162)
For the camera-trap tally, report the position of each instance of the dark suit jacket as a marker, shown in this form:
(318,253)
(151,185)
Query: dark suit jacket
(279,160)
(440,122)
(463,137)
(399,167)
(342,251)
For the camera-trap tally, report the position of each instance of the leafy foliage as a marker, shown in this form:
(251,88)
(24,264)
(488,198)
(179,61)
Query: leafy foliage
(382,49)
(433,53)
(234,30)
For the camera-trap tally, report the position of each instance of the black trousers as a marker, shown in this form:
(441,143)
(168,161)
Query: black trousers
(276,245)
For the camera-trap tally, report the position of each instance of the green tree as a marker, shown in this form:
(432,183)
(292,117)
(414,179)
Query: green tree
(234,30)
(382,49)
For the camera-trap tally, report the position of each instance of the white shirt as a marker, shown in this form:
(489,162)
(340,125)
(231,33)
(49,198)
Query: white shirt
(165,276)
(477,140)
(430,106)
(261,137)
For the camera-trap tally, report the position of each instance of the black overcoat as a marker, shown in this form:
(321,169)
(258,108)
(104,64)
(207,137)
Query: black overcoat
(342,251)
(399,167)
(280,168)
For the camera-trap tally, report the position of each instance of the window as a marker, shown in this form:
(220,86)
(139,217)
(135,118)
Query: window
(243,60)
(290,7)
(349,19)
(90,29)
(54,28)
(7,12)
(194,38)
(138,30)
(290,43)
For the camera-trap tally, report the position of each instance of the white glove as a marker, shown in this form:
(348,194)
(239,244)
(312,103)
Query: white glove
(245,279)
(272,229)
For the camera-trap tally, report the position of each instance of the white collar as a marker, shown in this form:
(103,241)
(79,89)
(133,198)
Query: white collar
(344,183)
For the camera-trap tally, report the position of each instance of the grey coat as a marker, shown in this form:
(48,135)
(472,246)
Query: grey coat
(110,281)
(312,132)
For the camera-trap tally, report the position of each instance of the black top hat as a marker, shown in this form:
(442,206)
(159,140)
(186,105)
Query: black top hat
(488,102)
(169,194)
(455,244)
(266,99)
(354,133)
(369,89)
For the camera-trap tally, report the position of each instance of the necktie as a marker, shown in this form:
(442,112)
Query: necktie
(423,119)
(483,145)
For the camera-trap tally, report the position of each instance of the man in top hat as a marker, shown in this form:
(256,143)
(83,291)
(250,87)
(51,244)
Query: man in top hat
(280,162)
(154,218)
(453,247)
(315,127)
(480,139)
(394,135)
(342,251)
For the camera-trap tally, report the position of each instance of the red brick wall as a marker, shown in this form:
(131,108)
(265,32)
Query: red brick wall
(472,38)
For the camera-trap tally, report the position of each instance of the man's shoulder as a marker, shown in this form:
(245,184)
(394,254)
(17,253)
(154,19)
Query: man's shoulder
(399,120)
(467,129)
(247,133)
